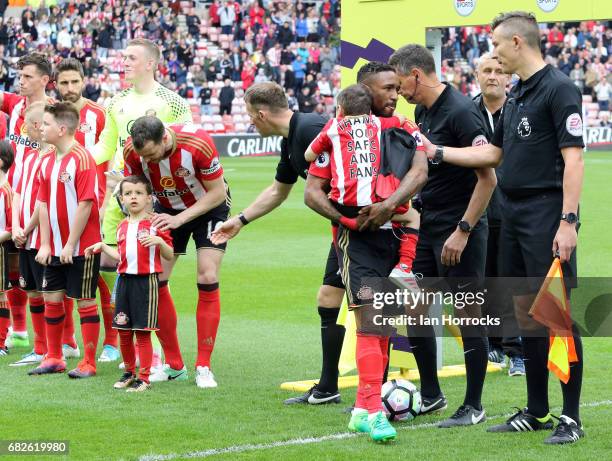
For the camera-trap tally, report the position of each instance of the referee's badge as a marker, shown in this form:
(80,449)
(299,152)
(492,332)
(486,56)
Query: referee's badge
(322,160)
(573,124)
(524,128)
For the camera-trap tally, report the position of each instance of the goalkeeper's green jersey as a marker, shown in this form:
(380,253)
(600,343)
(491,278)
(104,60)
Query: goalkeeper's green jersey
(126,107)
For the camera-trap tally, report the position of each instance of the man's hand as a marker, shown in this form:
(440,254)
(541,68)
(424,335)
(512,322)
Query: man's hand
(94,249)
(375,216)
(112,179)
(453,248)
(565,241)
(44,255)
(430,149)
(228,230)
(165,221)
(66,254)
(151,240)
(18,237)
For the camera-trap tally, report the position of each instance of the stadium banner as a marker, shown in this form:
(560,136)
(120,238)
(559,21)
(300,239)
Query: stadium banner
(598,138)
(246,145)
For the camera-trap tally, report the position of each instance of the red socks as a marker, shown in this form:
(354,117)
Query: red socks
(207,317)
(145,353)
(127,350)
(108,312)
(37,312)
(18,300)
(90,329)
(68,333)
(166,319)
(54,316)
(407,250)
(5,321)
(370,363)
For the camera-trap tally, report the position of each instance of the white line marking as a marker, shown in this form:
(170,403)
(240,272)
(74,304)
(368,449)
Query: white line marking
(309,440)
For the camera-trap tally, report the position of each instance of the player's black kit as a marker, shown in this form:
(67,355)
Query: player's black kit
(452,120)
(542,115)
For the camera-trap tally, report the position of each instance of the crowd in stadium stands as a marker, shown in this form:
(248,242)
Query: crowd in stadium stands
(212,51)
(579,49)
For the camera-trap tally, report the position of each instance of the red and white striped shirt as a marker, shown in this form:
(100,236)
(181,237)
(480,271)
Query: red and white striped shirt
(27,188)
(134,258)
(91,124)
(64,182)
(177,179)
(6,200)
(14,105)
(348,152)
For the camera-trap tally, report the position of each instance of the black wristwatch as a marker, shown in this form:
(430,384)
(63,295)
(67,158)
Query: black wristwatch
(570,218)
(464,226)
(243,218)
(438,155)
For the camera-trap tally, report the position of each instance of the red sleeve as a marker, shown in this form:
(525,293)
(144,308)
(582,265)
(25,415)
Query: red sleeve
(389,122)
(8,101)
(321,167)
(322,143)
(166,237)
(85,183)
(132,163)
(206,160)
(413,129)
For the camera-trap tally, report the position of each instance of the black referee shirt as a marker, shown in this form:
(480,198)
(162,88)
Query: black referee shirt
(541,116)
(494,209)
(303,128)
(454,121)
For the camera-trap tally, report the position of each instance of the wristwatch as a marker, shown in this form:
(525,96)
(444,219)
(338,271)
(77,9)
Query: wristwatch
(570,218)
(438,155)
(243,219)
(464,226)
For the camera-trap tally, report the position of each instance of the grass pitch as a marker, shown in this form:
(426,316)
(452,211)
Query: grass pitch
(269,333)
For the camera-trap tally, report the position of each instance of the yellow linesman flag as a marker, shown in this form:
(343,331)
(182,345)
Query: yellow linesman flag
(551,308)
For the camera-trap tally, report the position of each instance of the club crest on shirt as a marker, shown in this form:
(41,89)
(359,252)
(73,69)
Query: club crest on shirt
(182,172)
(64,177)
(85,128)
(142,233)
(524,128)
(167,182)
(121,319)
(151,113)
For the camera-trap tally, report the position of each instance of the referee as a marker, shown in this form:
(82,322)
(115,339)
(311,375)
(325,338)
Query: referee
(490,102)
(540,138)
(267,106)
(453,234)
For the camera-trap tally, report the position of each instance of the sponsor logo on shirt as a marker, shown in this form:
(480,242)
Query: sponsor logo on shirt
(23,140)
(172,193)
(464,7)
(182,172)
(573,124)
(64,177)
(524,128)
(167,182)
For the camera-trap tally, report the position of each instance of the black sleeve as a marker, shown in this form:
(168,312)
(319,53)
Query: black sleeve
(284,171)
(565,102)
(308,132)
(498,135)
(469,126)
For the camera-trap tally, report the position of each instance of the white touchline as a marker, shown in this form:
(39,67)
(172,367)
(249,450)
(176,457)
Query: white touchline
(309,440)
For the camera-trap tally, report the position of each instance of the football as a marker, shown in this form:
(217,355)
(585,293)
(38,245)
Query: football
(401,400)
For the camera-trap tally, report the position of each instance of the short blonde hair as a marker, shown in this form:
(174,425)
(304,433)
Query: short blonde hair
(148,45)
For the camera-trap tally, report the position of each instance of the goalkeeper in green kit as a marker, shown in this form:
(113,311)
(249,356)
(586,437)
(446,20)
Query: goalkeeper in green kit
(144,97)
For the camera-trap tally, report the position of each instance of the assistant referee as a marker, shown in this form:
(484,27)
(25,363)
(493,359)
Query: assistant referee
(540,138)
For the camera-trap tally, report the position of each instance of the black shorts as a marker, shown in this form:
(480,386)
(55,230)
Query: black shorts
(5,284)
(365,255)
(11,248)
(136,302)
(428,260)
(30,272)
(200,228)
(332,276)
(529,226)
(79,280)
